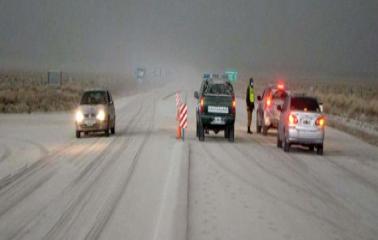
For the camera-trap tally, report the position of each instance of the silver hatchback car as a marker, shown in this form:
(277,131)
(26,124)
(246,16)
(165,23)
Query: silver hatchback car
(301,123)
(95,113)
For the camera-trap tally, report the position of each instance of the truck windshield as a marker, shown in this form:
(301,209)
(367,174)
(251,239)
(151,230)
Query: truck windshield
(94,97)
(304,104)
(220,89)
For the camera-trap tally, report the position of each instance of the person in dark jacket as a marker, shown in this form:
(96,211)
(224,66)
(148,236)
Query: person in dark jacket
(250,101)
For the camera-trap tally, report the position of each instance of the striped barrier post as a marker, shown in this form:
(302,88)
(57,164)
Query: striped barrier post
(178,104)
(183,119)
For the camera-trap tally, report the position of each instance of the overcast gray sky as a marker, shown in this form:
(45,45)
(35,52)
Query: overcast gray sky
(117,35)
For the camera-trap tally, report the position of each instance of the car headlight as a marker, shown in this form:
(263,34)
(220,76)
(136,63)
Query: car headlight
(79,116)
(101,115)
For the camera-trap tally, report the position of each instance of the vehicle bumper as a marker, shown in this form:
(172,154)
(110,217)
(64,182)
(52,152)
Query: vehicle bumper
(208,120)
(96,127)
(271,120)
(297,136)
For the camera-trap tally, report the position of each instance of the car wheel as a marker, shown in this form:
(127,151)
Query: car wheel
(265,130)
(311,148)
(197,130)
(112,130)
(258,127)
(201,133)
(286,145)
(231,133)
(319,149)
(279,141)
(78,134)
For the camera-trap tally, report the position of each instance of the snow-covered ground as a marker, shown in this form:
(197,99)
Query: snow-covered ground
(144,184)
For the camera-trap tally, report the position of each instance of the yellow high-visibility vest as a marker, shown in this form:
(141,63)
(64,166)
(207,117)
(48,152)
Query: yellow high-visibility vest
(251,94)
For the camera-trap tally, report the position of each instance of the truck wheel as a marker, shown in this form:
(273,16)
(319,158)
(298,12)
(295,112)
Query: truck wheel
(231,133)
(78,134)
(279,141)
(201,133)
(319,149)
(226,132)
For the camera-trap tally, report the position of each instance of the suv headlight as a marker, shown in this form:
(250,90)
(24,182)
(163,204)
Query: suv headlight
(79,116)
(101,115)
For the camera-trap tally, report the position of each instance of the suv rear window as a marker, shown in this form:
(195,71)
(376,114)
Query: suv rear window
(220,89)
(304,104)
(94,97)
(280,94)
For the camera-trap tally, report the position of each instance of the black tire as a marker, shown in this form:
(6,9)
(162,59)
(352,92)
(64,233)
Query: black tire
(258,127)
(112,130)
(197,130)
(279,141)
(319,149)
(201,133)
(78,134)
(286,145)
(226,132)
(265,130)
(231,133)
(311,148)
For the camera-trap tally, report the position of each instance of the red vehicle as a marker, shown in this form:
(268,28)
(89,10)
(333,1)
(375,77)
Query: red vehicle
(267,114)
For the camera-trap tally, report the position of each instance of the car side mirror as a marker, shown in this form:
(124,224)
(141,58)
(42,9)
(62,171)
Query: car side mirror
(258,98)
(196,95)
(279,108)
(321,107)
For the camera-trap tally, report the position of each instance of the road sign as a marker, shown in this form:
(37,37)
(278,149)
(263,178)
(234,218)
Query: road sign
(54,78)
(140,74)
(232,75)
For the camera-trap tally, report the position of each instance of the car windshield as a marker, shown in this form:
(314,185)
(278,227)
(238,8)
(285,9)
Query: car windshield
(220,89)
(94,97)
(304,104)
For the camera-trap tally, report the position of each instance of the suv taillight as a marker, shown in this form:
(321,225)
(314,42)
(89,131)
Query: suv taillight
(293,120)
(320,121)
(269,102)
(202,104)
(233,104)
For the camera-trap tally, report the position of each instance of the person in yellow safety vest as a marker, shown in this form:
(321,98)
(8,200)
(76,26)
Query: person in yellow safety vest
(250,101)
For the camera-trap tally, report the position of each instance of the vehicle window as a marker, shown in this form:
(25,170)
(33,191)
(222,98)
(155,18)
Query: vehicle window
(94,97)
(223,89)
(304,104)
(280,94)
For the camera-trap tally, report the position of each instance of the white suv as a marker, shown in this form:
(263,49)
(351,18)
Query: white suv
(267,114)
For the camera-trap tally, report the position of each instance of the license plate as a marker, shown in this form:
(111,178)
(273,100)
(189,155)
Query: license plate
(216,109)
(90,122)
(218,121)
(306,122)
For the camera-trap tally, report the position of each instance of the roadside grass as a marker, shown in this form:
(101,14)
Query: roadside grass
(29,92)
(354,99)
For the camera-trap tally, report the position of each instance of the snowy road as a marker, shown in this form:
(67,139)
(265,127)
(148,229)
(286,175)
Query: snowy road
(144,184)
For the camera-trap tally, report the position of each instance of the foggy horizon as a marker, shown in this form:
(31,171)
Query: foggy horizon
(117,36)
